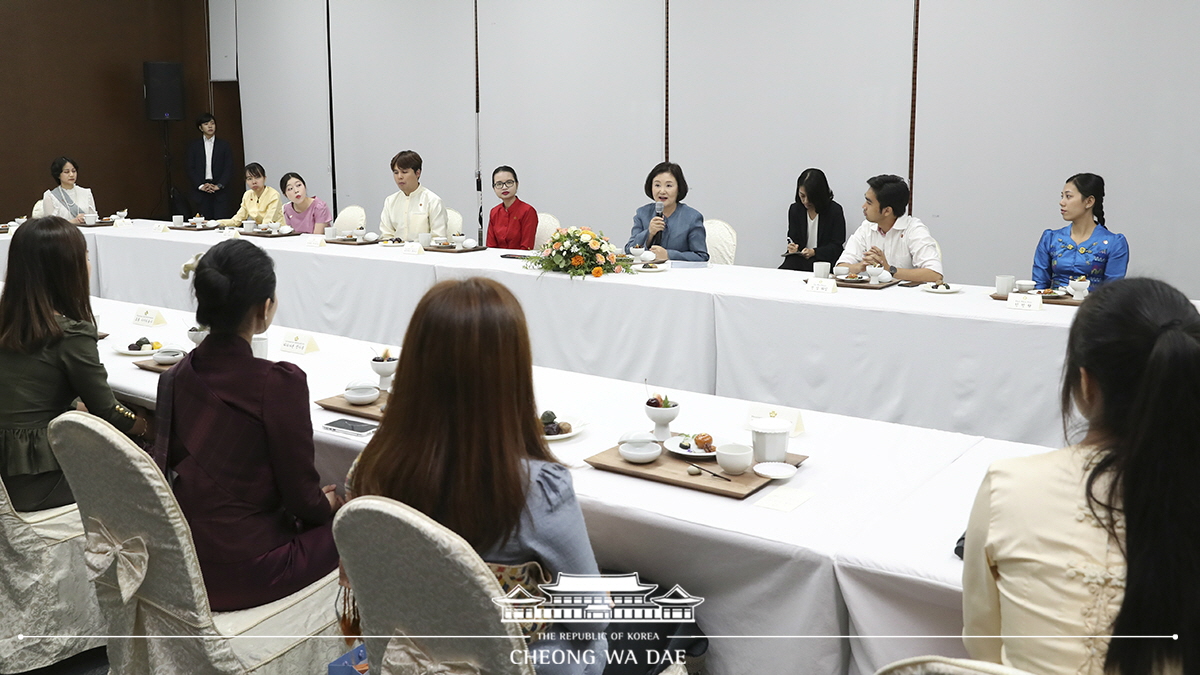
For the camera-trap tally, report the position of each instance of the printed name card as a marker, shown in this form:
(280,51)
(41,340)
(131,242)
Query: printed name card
(145,316)
(767,410)
(1025,302)
(121,222)
(298,343)
(816,285)
(413,248)
(162,226)
(231,233)
(315,240)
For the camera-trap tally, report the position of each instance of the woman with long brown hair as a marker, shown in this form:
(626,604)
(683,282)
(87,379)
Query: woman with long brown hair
(49,358)
(462,443)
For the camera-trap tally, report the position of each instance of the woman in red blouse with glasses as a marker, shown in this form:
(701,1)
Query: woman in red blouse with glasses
(513,223)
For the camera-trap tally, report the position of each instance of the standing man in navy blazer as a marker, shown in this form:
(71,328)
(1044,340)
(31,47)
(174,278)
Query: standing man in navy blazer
(209,170)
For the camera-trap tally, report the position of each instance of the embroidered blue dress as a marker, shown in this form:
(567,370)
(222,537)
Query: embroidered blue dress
(1102,258)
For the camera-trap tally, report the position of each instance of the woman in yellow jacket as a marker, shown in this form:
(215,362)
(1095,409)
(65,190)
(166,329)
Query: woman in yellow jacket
(261,203)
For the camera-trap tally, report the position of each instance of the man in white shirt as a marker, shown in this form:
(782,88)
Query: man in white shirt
(414,209)
(209,166)
(899,243)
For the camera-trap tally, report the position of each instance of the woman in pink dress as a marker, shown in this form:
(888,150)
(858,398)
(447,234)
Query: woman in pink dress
(305,214)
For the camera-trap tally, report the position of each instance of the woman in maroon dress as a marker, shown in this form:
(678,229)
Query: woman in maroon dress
(235,440)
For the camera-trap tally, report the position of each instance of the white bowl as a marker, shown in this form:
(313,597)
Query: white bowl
(648,256)
(470,243)
(734,458)
(362,395)
(371,236)
(662,415)
(197,336)
(639,452)
(385,368)
(286,229)
(1025,285)
(168,356)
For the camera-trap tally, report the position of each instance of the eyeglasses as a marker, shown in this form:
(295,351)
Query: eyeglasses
(505,184)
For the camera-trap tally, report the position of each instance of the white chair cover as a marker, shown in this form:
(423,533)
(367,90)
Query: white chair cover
(44,588)
(350,219)
(547,224)
(38,210)
(411,576)
(943,665)
(721,240)
(454,222)
(141,558)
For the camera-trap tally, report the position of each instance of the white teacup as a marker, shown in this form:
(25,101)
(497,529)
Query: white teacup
(1005,284)
(841,271)
(177,220)
(821,270)
(1025,285)
(735,458)
(258,346)
(425,238)
(90,218)
(248,225)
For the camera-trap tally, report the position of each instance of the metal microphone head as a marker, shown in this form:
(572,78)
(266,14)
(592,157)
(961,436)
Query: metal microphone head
(658,208)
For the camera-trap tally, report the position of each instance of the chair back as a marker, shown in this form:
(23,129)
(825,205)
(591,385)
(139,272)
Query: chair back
(943,665)
(350,219)
(412,576)
(38,210)
(454,222)
(547,224)
(721,240)
(135,527)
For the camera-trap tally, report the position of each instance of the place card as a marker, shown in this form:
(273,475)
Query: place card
(147,316)
(162,226)
(784,498)
(121,222)
(315,240)
(816,285)
(1024,302)
(231,233)
(298,343)
(413,248)
(783,412)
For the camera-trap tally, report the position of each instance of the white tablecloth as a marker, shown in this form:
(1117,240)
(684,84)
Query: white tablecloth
(960,362)
(899,575)
(762,572)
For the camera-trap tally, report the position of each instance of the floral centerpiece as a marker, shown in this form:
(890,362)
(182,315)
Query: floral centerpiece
(578,251)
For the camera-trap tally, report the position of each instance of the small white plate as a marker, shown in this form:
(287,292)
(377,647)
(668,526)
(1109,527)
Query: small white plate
(576,427)
(929,288)
(672,446)
(1048,293)
(392,243)
(130,352)
(641,268)
(860,279)
(775,470)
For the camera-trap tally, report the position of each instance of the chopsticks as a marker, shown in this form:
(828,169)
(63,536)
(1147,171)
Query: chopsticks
(710,472)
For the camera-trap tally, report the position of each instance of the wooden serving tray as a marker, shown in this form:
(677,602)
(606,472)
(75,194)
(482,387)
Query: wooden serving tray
(672,470)
(268,235)
(98,223)
(153,366)
(867,284)
(185,228)
(350,242)
(1047,300)
(451,249)
(340,404)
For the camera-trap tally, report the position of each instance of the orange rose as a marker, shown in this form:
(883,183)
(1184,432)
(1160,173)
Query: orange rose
(577,261)
(595,244)
(612,257)
(558,244)
(597,271)
(599,258)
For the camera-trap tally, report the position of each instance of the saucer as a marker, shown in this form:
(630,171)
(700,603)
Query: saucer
(775,470)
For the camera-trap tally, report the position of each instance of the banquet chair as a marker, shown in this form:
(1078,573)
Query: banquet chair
(547,224)
(44,589)
(412,576)
(454,222)
(142,562)
(38,210)
(722,241)
(942,665)
(350,219)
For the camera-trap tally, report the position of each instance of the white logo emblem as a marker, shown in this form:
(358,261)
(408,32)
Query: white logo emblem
(597,597)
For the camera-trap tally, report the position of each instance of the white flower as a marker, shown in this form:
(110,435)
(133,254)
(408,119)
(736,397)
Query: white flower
(585,238)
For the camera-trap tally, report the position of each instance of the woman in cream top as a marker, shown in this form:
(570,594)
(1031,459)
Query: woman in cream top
(68,200)
(1071,554)
(261,203)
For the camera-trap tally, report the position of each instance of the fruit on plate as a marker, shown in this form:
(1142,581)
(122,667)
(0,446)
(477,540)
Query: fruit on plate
(564,427)
(660,401)
(143,345)
(548,417)
(704,443)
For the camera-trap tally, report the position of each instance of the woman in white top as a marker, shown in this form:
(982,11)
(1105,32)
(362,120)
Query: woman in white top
(1067,549)
(68,200)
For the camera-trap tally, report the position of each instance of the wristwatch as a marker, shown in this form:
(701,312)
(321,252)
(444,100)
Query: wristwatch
(892,270)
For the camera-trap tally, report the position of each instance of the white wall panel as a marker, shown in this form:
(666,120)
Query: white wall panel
(403,79)
(284,84)
(761,90)
(572,98)
(1016,96)
(222,40)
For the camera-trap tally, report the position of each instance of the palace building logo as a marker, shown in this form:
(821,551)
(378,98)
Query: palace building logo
(597,597)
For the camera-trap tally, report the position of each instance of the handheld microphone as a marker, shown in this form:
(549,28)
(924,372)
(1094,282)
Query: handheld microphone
(658,213)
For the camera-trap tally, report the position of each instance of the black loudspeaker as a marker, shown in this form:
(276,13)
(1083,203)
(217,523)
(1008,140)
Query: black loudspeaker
(163,85)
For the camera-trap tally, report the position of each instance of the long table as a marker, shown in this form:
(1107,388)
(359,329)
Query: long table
(960,362)
(768,576)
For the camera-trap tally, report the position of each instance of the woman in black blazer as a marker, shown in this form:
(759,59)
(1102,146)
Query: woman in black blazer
(814,202)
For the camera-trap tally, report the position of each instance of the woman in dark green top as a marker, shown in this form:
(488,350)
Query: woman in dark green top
(48,358)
